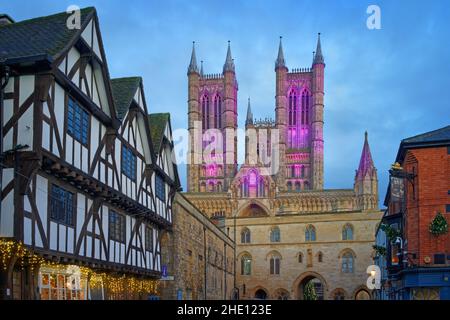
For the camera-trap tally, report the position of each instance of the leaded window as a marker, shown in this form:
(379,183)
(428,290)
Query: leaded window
(61,205)
(128,163)
(160,187)
(116,226)
(77,122)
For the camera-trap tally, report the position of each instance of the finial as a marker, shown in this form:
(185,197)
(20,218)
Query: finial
(365,135)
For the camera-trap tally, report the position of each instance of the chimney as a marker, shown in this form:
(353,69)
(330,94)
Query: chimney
(5,19)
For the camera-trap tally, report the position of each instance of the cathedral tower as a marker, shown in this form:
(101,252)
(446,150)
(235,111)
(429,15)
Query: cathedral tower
(212,111)
(299,119)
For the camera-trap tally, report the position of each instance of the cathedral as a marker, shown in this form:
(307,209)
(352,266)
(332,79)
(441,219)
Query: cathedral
(294,239)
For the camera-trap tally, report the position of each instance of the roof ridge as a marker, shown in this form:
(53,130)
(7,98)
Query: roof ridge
(427,134)
(126,78)
(54,15)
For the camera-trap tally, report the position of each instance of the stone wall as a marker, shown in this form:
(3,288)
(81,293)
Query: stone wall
(198,255)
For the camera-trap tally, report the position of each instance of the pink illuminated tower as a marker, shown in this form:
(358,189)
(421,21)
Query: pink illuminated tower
(299,118)
(212,100)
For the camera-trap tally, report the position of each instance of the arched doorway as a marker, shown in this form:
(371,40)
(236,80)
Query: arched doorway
(311,287)
(260,294)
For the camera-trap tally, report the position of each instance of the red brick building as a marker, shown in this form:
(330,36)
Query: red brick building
(418,259)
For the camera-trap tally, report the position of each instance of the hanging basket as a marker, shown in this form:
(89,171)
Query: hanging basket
(438,225)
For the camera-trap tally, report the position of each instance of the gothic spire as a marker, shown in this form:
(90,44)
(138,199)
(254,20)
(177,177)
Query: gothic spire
(318,58)
(280,58)
(193,64)
(201,68)
(229,62)
(365,163)
(249,119)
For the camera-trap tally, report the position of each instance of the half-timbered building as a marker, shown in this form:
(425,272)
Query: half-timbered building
(85,197)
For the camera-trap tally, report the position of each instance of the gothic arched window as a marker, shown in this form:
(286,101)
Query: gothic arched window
(292,120)
(305,108)
(274,264)
(275,234)
(347,262)
(261,190)
(246,265)
(310,233)
(300,257)
(289,186)
(347,232)
(245,186)
(217,112)
(245,236)
(297,186)
(292,108)
(205,112)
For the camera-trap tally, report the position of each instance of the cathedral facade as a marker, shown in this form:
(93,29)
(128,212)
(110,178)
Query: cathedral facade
(294,239)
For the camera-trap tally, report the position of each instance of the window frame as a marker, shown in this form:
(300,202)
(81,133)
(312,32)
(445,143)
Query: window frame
(68,198)
(160,187)
(275,235)
(245,236)
(348,263)
(128,162)
(85,121)
(122,226)
(244,271)
(310,234)
(149,245)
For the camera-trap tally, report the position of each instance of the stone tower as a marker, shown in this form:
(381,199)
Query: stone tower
(366,180)
(212,102)
(299,119)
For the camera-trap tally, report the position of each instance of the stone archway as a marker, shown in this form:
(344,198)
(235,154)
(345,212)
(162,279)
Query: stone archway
(260,294)
(362,293)
(253,209)
(310,281)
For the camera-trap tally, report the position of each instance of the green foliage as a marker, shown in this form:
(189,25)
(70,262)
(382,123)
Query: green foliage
(439,225)
(310,292)
(391,233)
(381,251)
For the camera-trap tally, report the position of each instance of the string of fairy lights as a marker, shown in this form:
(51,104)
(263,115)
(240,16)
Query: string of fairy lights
(114,284)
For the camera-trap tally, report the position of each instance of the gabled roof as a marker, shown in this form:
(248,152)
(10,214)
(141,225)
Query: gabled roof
(441,134)
(43,36)
(123,90)
(435,138)
(157,123)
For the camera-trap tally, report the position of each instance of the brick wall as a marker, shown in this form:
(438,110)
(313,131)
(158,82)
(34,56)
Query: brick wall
(429,196)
